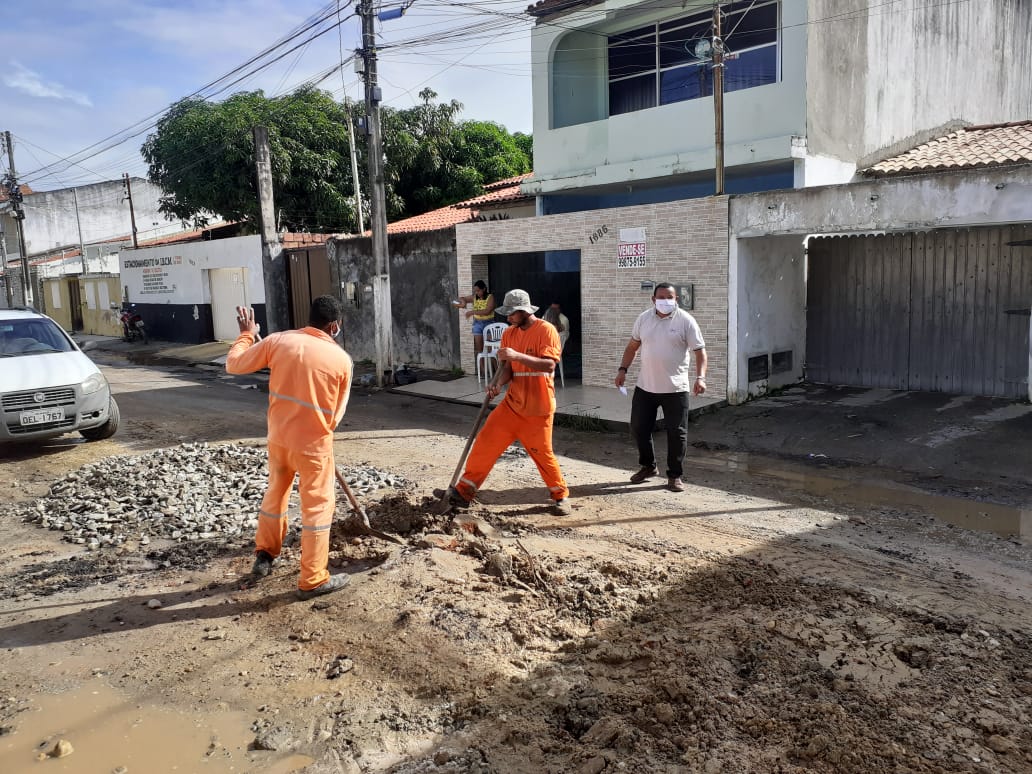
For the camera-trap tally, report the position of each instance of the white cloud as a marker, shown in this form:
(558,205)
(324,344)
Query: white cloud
(32,83)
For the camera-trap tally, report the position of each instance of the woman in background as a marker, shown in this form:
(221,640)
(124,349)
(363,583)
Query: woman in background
(482,313)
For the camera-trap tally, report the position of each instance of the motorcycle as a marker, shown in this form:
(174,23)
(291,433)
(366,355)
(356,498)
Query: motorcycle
(133,326)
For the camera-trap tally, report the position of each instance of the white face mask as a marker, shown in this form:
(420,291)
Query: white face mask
(336,334)
(666,305)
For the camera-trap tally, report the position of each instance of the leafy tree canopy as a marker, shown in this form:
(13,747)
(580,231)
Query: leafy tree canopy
(202,155)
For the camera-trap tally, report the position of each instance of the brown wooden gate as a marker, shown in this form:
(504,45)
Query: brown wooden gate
(309,279)
(940,311)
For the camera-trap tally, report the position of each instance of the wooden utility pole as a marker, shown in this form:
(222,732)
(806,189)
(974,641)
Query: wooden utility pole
(354,166)
(132,210)
(718,98)
(377,200)
(78,225)
(19,216)
(273,265)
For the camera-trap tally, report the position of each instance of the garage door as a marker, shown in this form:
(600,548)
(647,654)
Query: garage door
(943,311)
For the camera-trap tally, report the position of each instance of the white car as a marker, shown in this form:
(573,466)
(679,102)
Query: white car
(48,387)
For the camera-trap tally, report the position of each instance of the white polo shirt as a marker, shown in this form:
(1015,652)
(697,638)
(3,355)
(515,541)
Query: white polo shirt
(665,346)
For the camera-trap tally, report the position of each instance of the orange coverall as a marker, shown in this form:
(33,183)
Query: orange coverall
(525,415)
(309,387)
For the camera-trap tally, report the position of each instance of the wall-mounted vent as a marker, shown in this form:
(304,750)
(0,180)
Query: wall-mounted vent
(781,362)
(759,368)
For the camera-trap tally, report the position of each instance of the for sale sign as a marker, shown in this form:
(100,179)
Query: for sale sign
(630,250)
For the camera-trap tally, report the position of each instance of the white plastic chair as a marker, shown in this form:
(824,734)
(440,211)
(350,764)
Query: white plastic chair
(564,336)
(492,343)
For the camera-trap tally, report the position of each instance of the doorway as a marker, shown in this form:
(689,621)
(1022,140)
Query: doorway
(75,304)
(550,277)
(228,291)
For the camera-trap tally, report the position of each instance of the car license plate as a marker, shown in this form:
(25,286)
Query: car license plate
(42,417)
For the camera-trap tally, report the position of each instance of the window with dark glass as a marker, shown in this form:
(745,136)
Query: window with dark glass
(670,62)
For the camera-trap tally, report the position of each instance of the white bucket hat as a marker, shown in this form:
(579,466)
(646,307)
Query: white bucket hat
(516,301)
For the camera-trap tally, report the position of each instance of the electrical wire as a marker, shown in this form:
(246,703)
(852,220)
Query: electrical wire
(326,13)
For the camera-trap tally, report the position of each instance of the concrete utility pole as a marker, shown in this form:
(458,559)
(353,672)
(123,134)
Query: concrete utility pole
(19,216)
(132,210)
(78,225)
(273,266)
(377,200)
(718,98)
(8,290)
(354,166)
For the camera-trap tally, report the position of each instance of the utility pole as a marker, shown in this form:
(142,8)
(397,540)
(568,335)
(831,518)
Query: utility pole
(354,166)
(132,211)
(8,290)
(273,266)
(14,192)
(718,98)
(377,200)
(78,225)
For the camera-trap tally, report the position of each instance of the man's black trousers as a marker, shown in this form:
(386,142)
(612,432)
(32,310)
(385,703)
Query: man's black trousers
(644,406)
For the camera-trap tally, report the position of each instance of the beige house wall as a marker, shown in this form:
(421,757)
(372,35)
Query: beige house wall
(687,243)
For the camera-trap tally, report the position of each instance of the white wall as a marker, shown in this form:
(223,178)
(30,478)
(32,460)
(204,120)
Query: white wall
(50,215)
(668,139)
(766,310)
(766,292)
(177,274)
(965,198)
(878,76)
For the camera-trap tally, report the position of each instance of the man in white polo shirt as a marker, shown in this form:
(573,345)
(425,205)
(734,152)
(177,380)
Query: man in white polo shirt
(665,334)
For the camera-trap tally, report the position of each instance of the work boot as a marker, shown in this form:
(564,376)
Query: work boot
(562,507)
(455,499)
(675,484)
(335,583)
(262,564)
(644,473)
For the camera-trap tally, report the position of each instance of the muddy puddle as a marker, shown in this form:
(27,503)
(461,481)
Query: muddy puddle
(995,518)
(109,732)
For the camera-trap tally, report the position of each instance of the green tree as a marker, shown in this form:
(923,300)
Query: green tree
(433,159)
(202,156)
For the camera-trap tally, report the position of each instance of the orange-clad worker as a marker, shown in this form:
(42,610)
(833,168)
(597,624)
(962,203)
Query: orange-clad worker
(309,386)
(527,356)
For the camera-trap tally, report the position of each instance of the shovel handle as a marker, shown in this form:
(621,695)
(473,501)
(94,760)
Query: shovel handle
(351,496)
(476,429)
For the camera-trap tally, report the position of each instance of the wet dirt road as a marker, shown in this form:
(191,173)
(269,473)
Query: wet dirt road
(774,617)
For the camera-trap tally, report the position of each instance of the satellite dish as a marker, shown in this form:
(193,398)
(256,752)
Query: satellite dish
(700,48)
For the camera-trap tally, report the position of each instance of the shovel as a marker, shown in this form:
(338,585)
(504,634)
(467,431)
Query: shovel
(443,505)
(363,525)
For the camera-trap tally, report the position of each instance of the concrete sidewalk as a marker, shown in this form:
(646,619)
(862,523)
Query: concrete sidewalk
(574,401)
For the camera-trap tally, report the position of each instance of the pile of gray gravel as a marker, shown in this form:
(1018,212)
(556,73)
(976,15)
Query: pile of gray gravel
(195,491)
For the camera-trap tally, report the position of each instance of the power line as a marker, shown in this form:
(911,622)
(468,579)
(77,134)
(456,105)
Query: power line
(326,13)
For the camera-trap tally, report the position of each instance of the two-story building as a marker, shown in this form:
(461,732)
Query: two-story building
(625,144)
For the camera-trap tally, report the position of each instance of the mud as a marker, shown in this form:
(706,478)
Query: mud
(750,625)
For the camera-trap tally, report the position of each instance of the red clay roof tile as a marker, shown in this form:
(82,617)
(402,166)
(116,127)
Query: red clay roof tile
(968,148)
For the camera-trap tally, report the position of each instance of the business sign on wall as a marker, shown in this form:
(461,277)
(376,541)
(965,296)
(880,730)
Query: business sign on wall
(180,274)
(630,250)
(156,274)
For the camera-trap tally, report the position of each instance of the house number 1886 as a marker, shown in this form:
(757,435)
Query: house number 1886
(599,233)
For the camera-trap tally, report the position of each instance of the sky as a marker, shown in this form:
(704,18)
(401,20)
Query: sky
(75,72)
